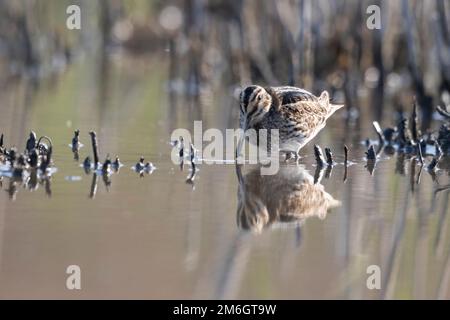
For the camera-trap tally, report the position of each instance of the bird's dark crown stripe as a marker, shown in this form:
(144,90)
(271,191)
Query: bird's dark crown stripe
(255,94)
(247,93)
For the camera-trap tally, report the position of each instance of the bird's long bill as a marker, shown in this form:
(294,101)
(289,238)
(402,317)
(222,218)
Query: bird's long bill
(239,174)
(239,147)
(241,139)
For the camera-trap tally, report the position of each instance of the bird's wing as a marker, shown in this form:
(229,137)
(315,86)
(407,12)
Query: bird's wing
(289,95)
(305,116)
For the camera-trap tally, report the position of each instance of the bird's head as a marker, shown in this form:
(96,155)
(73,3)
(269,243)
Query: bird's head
(255,102)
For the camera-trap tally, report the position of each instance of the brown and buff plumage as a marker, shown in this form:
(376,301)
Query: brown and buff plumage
(290,196)
(296,113)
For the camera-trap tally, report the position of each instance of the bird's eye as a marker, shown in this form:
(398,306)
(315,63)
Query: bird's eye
(259,97)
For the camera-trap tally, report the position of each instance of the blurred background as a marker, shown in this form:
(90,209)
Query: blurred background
(212,44)
(137,70)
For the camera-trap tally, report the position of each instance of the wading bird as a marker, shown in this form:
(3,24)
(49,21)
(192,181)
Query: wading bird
(296,113)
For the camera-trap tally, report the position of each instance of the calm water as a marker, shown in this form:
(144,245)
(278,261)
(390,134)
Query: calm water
(159,237)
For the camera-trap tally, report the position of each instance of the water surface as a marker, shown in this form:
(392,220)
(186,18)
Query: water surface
(159,237)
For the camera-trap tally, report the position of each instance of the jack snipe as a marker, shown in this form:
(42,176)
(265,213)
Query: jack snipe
(296,113)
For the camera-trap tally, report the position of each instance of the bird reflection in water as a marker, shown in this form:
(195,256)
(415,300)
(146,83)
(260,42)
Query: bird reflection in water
(288,197)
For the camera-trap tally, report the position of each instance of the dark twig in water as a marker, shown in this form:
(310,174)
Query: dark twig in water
(419,149)
(190,179)
(106,168)
(400,164)
(142,168)
(32,181)
(76,155)
(76,141)
(106,177)
(412,175)
(345,155)
(94,148)
(48,187)
(370,153)
(371,159)
(181,153)
(12,190)
(345,163)
(192,153)
(319,156)
(12,154)
(318,174)
(370,165)
(33,158)
(419,174)
(87,164)
(432,166)
(438,149)
(42,147)
(444,138)
(388,134)
(93,191)
(139,166)
(31,142)
(329,156)
(423,144)
(116,164)
(402,133)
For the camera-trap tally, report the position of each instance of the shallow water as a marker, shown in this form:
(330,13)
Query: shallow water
(159,237)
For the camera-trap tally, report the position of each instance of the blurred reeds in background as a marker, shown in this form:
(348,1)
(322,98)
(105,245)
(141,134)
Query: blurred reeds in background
(313,44)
